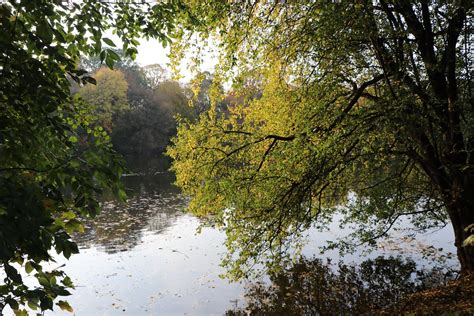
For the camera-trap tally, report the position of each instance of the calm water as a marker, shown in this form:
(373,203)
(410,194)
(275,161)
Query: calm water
(145,258)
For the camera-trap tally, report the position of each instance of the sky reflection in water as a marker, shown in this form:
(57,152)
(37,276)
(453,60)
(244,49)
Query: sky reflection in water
(145,258)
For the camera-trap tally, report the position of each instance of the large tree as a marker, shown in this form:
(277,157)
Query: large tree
(108,97)
(366,110)
(54,163)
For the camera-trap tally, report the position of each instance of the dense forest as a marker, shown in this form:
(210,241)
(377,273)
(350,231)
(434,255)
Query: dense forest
(140,107)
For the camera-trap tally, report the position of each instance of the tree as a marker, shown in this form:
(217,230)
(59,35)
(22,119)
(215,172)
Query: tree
(54,163)
(172,96)
(201,88)
(143,133)
(366,110)
(108,96)
(155,74)
(134,75)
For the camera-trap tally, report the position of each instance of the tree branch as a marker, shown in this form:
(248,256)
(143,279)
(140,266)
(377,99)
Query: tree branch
(356,96)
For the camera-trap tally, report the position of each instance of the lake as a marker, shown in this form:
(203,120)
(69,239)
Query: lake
(145,258)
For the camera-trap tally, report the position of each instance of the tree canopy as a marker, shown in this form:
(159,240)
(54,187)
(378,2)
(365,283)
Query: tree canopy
(108,96)
(364,108)
(137,106)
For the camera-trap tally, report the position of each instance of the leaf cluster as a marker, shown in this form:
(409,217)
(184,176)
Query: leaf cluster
(350,119)
(55,162)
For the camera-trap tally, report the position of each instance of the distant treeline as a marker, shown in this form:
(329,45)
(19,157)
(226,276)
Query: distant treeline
(138,107)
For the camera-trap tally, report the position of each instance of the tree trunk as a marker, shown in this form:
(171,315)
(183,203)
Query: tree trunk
(461,214)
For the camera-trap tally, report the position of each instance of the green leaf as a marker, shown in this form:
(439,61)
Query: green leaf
(68,215)
(102,56)
(122,195)
(113,55)
(73,139)
(18,260)
(13,303)
(46,303)
(67,282)
(12,273)
(43,280)
(74,225)
(45,32)
(109,61)
(36,266)
(33,303)
(28,267)
(88,79)
(109,42)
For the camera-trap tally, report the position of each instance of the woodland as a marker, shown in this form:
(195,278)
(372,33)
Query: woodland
(316,109)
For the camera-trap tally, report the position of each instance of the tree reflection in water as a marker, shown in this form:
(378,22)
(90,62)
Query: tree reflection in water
(312,287)
(153,206)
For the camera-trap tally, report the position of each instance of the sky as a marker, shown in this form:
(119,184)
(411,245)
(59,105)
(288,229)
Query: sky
(152,52)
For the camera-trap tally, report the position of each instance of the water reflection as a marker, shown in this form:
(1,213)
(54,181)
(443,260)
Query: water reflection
(147,164)
(149,184)
(120,227)
(312,287)
(153,206)
(144,258)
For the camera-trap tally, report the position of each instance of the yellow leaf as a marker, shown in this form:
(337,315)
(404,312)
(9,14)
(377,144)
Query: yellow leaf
(65,306)
(20,312)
